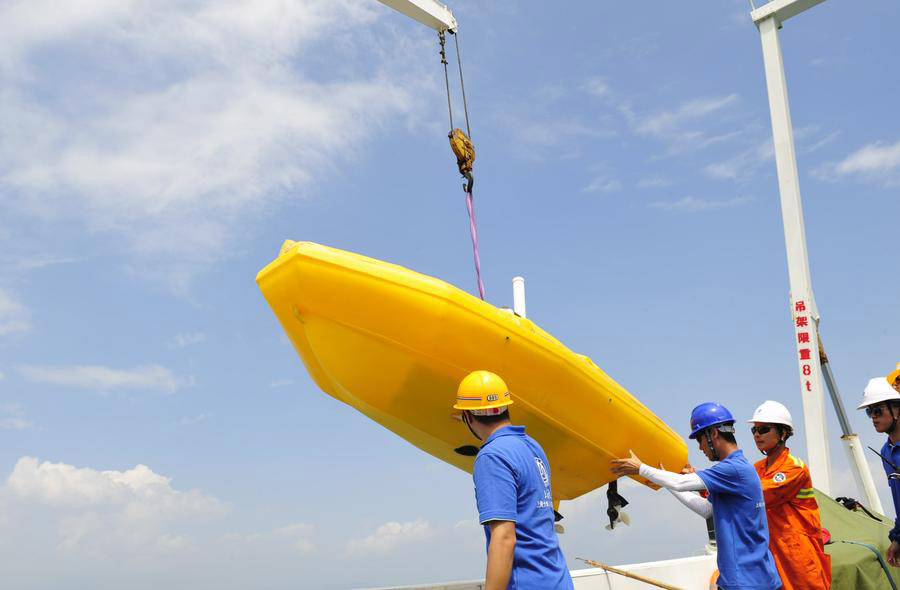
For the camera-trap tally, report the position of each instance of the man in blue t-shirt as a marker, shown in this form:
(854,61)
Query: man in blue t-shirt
(513,492)
(735,500)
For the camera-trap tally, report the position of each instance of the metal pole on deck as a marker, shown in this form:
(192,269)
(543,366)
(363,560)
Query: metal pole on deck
(855,455)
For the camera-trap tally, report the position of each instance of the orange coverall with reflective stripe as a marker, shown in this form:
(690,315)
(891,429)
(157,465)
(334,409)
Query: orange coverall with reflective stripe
(795,529)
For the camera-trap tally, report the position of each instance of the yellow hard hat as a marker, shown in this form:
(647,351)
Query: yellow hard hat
(483,393)
(892,376)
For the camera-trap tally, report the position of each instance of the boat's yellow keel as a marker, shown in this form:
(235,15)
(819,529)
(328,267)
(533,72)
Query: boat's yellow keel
(394,344)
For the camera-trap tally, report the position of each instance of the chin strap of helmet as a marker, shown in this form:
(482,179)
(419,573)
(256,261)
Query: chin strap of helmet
(712,449)
(722,427)
(890,408)
(466,418)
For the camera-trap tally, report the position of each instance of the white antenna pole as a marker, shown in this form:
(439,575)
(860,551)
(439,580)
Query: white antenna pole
(804,313)
(519,296)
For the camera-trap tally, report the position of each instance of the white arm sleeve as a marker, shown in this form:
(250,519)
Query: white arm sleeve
(676,482)
(695,502)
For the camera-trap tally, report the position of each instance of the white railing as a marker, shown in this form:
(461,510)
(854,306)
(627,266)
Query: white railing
(689,573)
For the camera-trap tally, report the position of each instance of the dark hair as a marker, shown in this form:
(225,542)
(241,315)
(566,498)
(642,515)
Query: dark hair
(491,419)
(784,431)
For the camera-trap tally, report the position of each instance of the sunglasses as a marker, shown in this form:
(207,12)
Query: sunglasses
(874,412)
(760,429)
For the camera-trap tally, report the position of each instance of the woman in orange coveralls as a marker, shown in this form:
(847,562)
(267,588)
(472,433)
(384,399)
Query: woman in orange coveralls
(795,533)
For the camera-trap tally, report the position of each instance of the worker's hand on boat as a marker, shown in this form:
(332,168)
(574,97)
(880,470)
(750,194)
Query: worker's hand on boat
(688,468)
(627,466)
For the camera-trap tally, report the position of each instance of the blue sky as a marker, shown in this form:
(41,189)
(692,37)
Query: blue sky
(156,428)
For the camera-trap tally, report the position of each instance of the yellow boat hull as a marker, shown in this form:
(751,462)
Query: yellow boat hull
(394,344)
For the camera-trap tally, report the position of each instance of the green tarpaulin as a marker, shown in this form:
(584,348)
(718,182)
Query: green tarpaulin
(854,566)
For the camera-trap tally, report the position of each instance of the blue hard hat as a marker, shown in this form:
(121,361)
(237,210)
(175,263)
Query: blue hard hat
(709,414)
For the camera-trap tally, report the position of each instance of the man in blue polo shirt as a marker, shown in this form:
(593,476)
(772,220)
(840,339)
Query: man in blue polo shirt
(735,500)
(513,492)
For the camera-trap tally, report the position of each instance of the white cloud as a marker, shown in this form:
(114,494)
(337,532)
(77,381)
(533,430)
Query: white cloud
(665,124)
(597,87)
(551,133)
(543,125)
(743,165)
(187,339)
(147,377)
(23,263)
(191,420)
(695,205)
(15,417)
(391,535)
(694,125)
(877,161)
(15,423)
(14,317)
(468,524)
(603,184)
(803,135)
(106,512)
(300,536)
(170,123)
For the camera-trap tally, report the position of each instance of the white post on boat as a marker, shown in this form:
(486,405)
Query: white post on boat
(428,12)
(519,296)
(804,314)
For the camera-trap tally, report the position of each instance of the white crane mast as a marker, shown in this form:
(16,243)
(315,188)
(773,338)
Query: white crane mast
(769,18)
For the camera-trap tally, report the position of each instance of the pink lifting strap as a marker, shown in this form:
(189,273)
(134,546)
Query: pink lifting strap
(474,233)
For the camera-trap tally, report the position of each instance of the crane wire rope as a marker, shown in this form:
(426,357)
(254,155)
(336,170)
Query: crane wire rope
(462,84)
(463,161)
(442,40)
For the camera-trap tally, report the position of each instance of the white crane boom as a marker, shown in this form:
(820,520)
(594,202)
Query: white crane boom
(804,313)
(782,9)
(803,307)
(428,12)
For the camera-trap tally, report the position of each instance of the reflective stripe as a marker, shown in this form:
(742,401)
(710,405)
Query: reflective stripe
(806,493)
(469,399)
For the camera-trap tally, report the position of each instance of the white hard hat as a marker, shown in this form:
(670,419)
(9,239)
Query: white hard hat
(878,391)
(772,413)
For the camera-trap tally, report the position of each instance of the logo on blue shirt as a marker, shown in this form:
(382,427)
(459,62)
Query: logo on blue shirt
(543,471)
